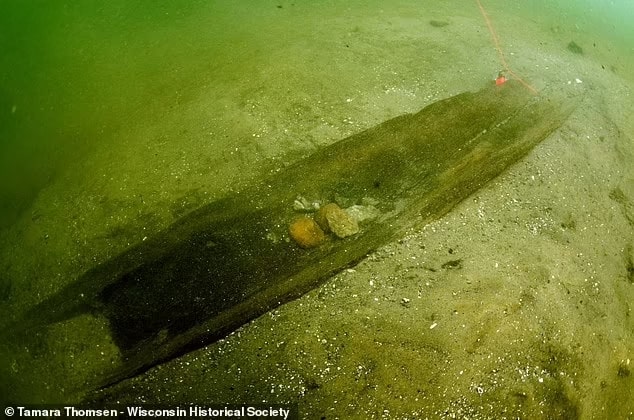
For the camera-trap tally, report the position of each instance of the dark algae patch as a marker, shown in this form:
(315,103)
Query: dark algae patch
(438,23)
(574,48)
(452,264)
(629,264)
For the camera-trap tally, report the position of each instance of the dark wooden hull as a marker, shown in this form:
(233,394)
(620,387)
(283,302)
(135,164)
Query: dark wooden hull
(232,260)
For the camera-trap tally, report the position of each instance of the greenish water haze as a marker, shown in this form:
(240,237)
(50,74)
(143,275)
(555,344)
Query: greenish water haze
(76,75)
(72,75)
(603,27)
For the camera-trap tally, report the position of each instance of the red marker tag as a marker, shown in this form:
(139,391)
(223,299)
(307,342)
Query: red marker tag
(500,80)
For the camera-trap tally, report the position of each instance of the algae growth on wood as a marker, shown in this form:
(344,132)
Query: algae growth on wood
(232,260)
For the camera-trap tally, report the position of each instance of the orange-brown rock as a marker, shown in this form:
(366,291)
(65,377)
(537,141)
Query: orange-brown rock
(306,232)
(332,218)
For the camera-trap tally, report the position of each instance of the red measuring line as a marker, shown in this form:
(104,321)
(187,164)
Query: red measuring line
(496,41)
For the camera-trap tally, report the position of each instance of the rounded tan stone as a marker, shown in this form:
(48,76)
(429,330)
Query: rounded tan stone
(306,232)
(333,218)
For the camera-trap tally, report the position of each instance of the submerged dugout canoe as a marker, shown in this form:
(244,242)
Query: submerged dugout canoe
(232,260)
